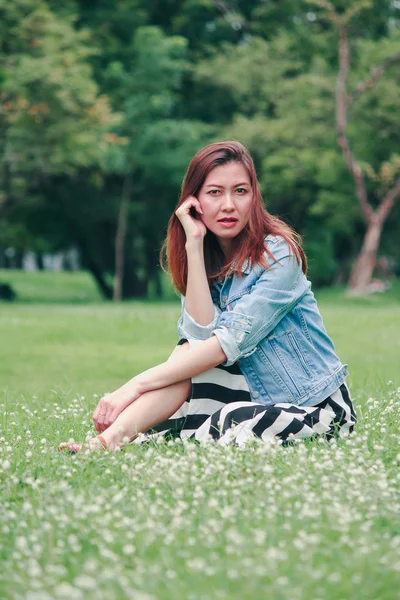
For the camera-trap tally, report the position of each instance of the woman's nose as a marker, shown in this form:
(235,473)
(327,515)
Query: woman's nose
(227,202)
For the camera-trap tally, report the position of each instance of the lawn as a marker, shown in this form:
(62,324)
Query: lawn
(313,521)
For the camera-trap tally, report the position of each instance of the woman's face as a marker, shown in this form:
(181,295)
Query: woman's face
(225,198)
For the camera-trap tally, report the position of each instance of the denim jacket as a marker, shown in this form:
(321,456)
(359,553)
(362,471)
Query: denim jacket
(267,321)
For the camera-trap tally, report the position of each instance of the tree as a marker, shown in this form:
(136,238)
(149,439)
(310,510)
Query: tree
(53,121)
(141,88)
(388,175)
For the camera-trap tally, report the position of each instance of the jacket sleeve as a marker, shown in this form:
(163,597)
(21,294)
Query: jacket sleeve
(189,329)
(256,314)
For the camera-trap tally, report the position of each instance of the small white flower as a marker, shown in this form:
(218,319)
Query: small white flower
(66,591)
(21,543)
(86,582)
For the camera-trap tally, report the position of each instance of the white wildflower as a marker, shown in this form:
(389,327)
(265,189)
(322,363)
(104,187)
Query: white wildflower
(86,582)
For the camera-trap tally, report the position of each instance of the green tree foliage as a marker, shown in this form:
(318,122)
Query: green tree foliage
(53,120)
(105,99)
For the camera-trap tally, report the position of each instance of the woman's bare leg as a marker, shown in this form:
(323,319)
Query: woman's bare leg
(148,410)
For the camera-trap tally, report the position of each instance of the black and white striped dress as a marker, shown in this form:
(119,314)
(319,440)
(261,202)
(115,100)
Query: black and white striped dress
(220,408)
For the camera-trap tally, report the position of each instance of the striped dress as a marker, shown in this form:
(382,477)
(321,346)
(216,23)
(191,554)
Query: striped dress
(220,408)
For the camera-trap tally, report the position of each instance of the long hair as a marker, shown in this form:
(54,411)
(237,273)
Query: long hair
(249,245)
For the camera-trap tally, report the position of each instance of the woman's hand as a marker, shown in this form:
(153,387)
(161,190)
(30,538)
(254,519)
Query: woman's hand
(110,406)
(193,226)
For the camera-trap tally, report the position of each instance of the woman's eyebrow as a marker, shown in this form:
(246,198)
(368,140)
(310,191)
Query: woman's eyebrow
(221,186)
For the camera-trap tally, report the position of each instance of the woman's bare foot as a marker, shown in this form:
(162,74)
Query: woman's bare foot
(97,443)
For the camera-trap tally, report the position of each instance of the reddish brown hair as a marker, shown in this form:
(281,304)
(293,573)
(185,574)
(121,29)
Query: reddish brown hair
(248,245)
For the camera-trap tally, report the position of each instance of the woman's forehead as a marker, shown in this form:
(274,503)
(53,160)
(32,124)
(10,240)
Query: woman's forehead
(230,173)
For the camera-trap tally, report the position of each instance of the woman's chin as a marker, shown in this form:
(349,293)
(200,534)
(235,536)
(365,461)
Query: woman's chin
(227,233)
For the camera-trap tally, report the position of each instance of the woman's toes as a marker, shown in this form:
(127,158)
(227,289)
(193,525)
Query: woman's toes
(97,443)
(73,448)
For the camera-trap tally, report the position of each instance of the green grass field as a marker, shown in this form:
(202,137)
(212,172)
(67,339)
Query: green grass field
(314,521)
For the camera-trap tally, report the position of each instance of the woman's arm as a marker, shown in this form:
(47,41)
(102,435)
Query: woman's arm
(198,302)
(198,359)
(199,315)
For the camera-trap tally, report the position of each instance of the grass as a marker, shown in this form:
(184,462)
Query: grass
(55,341)
(313,521)
(48,287)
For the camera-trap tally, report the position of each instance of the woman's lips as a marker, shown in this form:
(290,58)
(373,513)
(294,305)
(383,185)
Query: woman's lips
(228,222)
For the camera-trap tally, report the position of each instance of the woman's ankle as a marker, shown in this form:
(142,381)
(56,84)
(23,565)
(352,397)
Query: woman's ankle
(116,437)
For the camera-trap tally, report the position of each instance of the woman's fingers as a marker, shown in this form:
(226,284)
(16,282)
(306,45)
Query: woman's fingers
(107,408)
(99,415)
(95,416)
(109,417)
(197,205)
(184,208)
(112,405)
(105,414)
(193,225)
(188,203)
(112,416)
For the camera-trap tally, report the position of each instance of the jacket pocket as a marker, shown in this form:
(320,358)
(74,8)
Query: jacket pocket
(300,356)
(273,378)
(283,357)
(287,368)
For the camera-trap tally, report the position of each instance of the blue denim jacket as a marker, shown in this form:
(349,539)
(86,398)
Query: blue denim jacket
(268,322)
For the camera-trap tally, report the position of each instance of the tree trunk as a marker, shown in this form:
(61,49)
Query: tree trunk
(133,287)
(103,286)
(153,270)
(158,285)
(39,261)
(364,265)
(89,263)
(120,238)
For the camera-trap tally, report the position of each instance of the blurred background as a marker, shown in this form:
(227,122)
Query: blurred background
(104,103)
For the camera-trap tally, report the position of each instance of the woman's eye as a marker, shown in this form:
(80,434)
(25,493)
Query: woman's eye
(213,192)
(242,190)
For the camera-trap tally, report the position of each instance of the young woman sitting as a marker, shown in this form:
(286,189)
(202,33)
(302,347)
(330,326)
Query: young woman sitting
(254,359)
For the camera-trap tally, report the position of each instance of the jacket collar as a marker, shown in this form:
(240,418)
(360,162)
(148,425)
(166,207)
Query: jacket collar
(246,267)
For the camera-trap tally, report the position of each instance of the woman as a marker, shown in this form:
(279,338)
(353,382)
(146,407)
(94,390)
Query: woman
(254,358)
